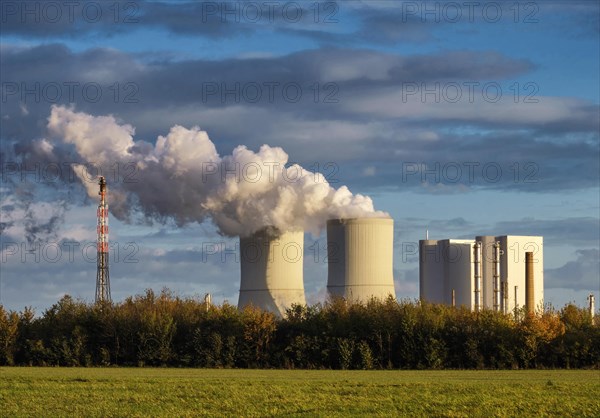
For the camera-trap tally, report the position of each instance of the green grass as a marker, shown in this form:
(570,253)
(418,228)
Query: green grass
(99,392)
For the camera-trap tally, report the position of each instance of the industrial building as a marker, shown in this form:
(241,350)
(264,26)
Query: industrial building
(271,270)
(360,258)
(488,272)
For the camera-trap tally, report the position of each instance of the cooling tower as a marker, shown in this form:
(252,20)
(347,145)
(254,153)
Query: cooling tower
(271,270)
(360,258)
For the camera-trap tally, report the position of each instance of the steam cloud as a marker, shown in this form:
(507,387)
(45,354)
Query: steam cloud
(182,177)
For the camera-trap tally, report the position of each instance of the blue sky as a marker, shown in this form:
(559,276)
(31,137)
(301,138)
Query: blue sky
(542,131)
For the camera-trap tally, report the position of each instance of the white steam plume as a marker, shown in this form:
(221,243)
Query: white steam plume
(184,178)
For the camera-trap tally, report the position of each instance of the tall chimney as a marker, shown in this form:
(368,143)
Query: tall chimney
(592,300)
(529,296)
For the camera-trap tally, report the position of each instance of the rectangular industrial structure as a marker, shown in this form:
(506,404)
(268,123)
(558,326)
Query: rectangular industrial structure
(485,272)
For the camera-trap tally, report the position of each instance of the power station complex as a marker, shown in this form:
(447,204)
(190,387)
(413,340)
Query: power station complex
(503,273)
(500,273)
(359,256)
(489,272)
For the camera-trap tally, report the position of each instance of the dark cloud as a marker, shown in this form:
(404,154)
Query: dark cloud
(211,19)
(583,273)
(320,21)
(304,84)
(572,231)
(454,163)
(40,19)
(555,152)
(578,231)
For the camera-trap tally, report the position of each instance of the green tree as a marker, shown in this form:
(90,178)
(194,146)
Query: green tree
(9,327)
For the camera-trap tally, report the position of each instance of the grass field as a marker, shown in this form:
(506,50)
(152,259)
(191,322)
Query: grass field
(48,392)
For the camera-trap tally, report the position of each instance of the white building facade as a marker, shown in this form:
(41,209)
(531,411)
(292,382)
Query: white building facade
(449,270)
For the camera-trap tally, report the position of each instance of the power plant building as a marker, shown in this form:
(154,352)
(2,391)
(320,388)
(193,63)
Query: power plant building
(488,272)
(445,270)
(271,270)
(512,269)
(360,258)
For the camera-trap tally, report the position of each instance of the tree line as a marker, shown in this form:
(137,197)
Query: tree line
(167,330)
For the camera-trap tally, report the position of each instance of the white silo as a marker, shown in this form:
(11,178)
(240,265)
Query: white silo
(360,258)
(271,270)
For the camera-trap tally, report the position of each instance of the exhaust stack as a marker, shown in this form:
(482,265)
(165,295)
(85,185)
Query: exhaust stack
(529,289)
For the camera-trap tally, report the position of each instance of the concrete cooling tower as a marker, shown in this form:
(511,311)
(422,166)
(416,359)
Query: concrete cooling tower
(360,258)
(271,270)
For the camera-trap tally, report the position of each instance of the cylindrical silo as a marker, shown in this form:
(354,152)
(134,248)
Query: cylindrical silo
(360,258)
(271,270)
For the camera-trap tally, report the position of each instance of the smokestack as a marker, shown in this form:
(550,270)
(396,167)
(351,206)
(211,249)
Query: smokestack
(529,295)
(592,300)
(271,270)
(477,250)
(360,258)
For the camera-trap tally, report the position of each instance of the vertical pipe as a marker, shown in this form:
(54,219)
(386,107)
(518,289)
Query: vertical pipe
(453,297)
(505,296)
(516,300)
(497,276)
(207,301)
(529,295)
(592,300)
(477,257)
